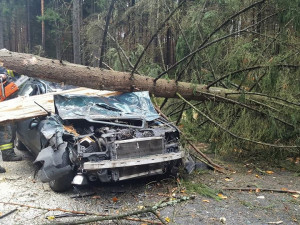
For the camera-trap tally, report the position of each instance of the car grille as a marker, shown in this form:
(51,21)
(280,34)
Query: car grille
(139,147)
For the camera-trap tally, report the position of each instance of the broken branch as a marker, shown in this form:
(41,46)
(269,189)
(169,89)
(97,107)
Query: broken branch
(152,210)
(263,189)
(234,135)
(74,212)
(210,162)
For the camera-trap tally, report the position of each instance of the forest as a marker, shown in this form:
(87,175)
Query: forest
(250,47)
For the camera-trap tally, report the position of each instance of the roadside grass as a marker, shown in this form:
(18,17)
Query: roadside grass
(250,206)
(192,185)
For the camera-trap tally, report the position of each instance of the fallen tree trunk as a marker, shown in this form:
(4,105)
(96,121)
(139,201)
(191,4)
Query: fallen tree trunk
(100,79)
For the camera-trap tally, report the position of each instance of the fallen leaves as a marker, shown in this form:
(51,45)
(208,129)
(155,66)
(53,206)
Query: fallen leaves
(294,160)
(140,207)
(295,196)
(205,200)
(167,219)
(50,217)
(269,172)
(96,197)
(222,196)
(222,219)
(115,199)
(228,179)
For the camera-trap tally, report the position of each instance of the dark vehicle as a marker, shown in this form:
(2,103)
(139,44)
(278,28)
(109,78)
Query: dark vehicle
(98,138)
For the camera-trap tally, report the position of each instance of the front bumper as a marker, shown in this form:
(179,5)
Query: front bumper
(120,163)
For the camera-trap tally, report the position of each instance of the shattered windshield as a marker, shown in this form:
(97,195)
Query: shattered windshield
(126,105)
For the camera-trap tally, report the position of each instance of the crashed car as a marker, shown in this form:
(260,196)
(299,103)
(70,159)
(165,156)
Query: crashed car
(92,138)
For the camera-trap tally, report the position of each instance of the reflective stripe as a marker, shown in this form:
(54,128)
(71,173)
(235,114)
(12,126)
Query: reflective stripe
(10,73)
(6,146)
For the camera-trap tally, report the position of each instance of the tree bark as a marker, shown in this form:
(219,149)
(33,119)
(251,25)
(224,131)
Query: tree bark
(76,31)
(43,24)
(57,34)
(28,26)
(104,43)
(101,79)
(1,31)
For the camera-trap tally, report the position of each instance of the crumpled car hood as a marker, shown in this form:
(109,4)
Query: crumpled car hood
(126,105)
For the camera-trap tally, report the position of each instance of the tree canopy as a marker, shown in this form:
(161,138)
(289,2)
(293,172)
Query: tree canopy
(250,47)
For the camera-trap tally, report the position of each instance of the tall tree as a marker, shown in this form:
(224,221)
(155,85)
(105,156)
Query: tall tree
(1,30)
(76,31)
(28,26)
(103,44)
(43,24)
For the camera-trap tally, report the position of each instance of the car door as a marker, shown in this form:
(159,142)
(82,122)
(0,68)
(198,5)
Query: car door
(28,131)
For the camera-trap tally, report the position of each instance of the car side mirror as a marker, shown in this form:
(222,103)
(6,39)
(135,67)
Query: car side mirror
(34,123)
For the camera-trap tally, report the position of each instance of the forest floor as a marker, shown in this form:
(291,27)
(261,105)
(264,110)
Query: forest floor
(222,207)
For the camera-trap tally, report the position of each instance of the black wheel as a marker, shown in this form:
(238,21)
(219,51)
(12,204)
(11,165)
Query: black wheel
(173,168)
(19,145)
(62,184)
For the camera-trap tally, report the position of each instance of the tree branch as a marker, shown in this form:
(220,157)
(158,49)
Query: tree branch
(73,211)
(153,36)
(247,107)
(209,44)
(151,209)
(210,162)
(234,135)
(263,189)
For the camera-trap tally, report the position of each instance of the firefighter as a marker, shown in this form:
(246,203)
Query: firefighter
(7,132)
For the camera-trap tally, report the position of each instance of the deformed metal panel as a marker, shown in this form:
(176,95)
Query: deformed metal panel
(106,164)
(139,147)
(142,174)
(126,105)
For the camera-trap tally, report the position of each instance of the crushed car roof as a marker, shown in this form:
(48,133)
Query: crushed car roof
(126,105)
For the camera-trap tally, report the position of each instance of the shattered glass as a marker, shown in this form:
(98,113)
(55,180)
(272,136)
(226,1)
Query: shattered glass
(126,105)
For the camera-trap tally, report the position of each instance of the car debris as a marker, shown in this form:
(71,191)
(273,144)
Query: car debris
(96,138)
(7,214)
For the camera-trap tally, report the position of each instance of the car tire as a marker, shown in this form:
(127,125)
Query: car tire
(19,145)
(62,184)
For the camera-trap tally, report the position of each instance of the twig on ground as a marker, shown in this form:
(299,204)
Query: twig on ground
(76,212)
(152,210)
(263,189)
(277,222)
(214,165)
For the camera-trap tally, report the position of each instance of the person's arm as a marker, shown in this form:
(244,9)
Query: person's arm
(3,77)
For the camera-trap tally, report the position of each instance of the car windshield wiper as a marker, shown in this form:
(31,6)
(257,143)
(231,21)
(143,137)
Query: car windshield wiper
(105,106)
(121,122)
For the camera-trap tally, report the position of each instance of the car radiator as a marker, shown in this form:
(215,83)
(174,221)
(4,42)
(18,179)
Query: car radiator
(138,147)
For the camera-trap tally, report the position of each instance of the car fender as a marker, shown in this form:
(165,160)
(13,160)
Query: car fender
(56,163)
